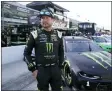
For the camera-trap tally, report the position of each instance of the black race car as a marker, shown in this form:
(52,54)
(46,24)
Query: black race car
(86,65)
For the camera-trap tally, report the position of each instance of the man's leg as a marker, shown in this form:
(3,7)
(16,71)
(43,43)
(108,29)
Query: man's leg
(43,79)
(56,80)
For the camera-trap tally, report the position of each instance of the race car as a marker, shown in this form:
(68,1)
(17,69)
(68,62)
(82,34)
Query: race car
(107,37)
(86,66)
(103,42)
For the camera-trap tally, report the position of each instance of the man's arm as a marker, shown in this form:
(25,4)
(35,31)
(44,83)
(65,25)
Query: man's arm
(61,53)
(28,51)
(60,50)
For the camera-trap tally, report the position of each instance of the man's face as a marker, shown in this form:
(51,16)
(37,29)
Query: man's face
(46,21)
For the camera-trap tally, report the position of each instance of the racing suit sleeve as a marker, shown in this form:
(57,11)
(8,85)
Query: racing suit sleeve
(27,53)
(61,53)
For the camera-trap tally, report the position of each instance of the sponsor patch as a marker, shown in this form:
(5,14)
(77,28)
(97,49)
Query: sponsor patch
(49,47)
(42,38)
(53,37)
(49,56)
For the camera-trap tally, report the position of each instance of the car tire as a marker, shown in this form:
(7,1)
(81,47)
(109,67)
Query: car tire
(68,77)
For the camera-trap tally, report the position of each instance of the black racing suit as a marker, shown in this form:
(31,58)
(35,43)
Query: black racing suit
(49,56)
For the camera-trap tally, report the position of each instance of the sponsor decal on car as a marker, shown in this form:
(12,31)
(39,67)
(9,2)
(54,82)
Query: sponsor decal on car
(96,56)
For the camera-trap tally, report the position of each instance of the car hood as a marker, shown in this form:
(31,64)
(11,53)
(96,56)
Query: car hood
(91,62)
(105,44)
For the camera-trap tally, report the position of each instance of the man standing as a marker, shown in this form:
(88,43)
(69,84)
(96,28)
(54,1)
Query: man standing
(49,54)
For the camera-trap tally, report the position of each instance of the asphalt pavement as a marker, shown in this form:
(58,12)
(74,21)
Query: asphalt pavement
(15,76)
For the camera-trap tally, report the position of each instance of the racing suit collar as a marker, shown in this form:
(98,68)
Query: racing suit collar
(47,31)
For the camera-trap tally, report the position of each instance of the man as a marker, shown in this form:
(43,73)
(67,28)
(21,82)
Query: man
(49,54)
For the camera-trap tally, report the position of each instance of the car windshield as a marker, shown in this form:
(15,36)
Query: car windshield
(81,46)
(99,39)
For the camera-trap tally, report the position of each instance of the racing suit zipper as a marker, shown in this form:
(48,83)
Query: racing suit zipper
(49,38)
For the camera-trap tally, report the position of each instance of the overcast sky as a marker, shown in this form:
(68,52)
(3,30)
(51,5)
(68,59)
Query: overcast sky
(98,12)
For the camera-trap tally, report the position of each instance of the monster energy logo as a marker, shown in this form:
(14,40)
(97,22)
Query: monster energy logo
(99,56)
(49,47)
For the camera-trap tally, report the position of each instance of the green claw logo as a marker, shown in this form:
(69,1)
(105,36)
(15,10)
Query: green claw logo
(100,56)
(49,47)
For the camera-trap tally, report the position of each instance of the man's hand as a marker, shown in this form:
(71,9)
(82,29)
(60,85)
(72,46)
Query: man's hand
(35,73)
(31,67)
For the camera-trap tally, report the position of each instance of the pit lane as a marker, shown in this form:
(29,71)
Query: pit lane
(15,76)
